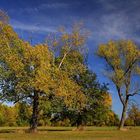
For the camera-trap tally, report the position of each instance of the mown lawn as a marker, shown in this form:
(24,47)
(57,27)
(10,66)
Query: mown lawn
(67,133)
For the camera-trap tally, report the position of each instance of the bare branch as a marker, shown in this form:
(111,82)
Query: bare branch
(62,60)
(4,17)
(136,92)
(129,68)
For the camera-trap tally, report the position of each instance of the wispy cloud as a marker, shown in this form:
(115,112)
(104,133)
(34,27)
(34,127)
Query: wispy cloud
(54,5)
(32,28)
(43,6)
(114,26)
(116,19)
(120,20)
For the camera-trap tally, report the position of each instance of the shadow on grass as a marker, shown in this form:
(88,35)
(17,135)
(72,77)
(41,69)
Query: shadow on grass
(47,129)
(26,130)
(7,131)
(55,129)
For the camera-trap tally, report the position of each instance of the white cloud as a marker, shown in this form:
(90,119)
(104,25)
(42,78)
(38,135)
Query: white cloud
(32,28)
(117,22)
(53,5)
(43,6)
(114,26)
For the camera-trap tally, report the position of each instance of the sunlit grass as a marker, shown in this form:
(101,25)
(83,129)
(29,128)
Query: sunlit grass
(68,133)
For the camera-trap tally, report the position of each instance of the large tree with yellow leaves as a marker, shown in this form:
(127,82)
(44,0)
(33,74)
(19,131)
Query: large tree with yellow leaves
(25,70)
(30,73)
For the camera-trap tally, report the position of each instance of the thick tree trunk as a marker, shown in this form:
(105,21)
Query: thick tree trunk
(34,120)
(79,124)
(123,117)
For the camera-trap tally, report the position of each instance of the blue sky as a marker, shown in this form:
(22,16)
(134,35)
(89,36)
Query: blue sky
(106,19)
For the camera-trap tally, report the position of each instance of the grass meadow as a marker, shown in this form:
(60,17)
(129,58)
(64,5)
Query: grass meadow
(69,133)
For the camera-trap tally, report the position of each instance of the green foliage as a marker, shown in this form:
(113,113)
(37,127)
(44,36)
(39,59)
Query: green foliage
(133,116)
(7,116)
(97,110)
(23,114)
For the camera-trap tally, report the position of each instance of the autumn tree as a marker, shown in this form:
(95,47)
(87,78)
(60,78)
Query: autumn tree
(134,115)
(25,71)
(30,74)
(67,61)
(67,49)
(122,58)
(96,109)
(99,100)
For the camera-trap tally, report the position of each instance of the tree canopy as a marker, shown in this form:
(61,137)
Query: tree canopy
(122,58)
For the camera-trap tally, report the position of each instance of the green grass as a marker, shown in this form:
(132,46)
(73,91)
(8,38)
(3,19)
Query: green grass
(67,133)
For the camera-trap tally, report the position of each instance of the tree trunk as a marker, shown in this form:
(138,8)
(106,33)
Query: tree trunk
(123,117)
(34,120)
(79,124)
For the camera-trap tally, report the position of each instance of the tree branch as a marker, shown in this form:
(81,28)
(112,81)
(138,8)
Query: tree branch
(62,60)
(134,93)
(130,66)
(120,95)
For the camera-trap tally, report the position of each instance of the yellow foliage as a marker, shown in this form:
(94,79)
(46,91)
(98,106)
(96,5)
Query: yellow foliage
(107,100)
(120,56)
(31,67)
(70,92)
